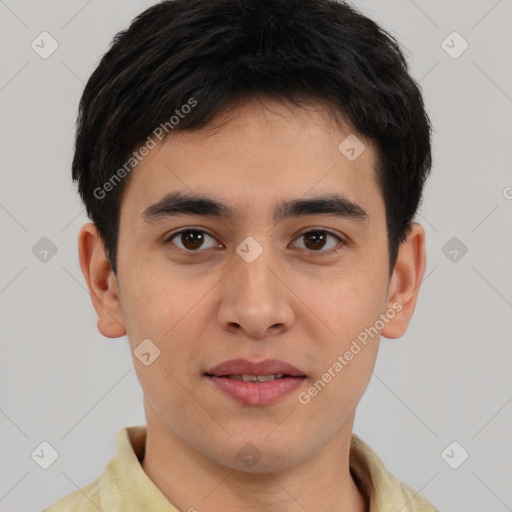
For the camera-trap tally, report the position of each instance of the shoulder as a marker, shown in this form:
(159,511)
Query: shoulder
(86,499)
(413,501)
(382,489)
(105,492)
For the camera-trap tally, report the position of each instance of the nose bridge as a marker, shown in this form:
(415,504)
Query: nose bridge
(256,283)
(253,297)
(254,272)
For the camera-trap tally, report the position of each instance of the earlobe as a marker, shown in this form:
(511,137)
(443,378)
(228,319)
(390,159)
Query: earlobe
(101,282)
(405,281)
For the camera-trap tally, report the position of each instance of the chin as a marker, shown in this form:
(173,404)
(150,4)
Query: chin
(260,455)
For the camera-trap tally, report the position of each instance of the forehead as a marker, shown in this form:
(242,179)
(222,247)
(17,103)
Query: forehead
(255,154)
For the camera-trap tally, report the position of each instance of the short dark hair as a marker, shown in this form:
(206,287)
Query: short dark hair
(213,54)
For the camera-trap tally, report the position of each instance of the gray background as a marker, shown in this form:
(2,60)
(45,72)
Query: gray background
(447,380)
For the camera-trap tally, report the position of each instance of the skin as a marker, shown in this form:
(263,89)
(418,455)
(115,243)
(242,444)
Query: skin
(292,303)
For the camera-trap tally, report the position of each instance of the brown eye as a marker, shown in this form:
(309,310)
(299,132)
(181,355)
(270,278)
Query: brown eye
(191,239)
(318,240)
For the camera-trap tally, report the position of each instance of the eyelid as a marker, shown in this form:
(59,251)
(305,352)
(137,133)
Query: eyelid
(167,238)
(178,231)
(341,240)
(325,230)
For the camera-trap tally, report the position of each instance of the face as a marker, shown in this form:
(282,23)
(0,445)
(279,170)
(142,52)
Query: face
(258,278)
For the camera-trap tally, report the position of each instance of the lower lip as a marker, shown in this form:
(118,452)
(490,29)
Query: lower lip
(257,393)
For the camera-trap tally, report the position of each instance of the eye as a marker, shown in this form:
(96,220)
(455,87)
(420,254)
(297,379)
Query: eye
(317,240)
(192,239)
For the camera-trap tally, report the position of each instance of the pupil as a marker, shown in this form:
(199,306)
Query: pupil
(318,239)
(194,239)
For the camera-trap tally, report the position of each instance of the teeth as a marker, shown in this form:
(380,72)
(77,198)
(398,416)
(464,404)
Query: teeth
(266,378)
(257,378)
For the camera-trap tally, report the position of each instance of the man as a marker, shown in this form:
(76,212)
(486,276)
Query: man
(252,169)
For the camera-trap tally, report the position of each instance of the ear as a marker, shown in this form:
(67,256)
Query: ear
(405,281)
(101,281)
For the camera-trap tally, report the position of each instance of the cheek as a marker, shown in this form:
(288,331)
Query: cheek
(160,307)
(352,303)
(347,354)
(156,300)
(351,309)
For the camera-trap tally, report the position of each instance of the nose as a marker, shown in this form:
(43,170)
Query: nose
(255,300)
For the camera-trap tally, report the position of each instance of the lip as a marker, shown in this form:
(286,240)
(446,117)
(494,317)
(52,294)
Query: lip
(255,393)
(246,367)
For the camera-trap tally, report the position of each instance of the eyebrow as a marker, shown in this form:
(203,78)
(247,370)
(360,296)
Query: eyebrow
(178,203)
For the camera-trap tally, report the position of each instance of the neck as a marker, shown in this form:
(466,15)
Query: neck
(192,481)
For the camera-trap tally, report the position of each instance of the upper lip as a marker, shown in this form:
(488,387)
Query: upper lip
(246,367)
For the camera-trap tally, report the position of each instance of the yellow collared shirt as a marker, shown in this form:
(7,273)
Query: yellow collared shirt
(125,487)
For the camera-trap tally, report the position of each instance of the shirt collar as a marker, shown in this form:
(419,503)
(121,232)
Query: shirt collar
(130,489)
(125,487)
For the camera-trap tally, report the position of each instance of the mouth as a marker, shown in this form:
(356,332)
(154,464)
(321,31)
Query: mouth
(252,371)
(254,383)
(255,378)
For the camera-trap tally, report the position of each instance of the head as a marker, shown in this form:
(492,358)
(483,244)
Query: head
(230,117)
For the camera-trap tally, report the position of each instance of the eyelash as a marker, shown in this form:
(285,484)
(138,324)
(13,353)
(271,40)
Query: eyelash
(340,241)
